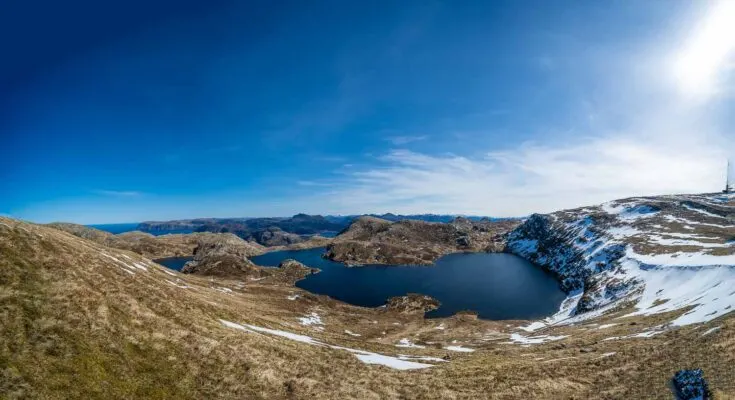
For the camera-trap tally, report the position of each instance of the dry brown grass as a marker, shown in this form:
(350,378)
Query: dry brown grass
(76,325)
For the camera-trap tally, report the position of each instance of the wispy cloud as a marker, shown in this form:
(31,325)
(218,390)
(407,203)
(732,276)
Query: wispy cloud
(118,193)
(535,177)
(402,140)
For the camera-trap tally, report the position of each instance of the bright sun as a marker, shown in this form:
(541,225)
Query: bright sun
(705,55)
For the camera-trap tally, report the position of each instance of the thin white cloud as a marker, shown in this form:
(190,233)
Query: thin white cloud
(535,178)
(119,193)
(402,140)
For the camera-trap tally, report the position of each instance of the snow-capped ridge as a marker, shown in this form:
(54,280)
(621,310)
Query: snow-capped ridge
(663,253)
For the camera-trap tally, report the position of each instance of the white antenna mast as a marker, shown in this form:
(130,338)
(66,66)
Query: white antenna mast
(729,185)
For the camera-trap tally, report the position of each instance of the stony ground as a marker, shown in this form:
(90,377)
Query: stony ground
(83,320)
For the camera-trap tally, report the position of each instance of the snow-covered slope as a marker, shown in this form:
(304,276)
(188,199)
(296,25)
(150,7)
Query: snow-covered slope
(664,253)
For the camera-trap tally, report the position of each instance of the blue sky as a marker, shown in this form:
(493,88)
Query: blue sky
(129,111)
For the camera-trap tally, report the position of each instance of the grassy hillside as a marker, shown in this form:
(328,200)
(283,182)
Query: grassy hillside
(82,320)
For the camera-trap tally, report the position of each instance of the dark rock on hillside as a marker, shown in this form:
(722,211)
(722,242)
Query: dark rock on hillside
(412,303)
(371,240)
(275,236)
(691,385)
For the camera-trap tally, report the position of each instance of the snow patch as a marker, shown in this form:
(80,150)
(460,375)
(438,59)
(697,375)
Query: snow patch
(420,358)
(460,349)
(407,343)
(518,338)
(311,319)
(708,331)
(388,361)
(140,266)
(364,356)
(709,290)
(177,285)
(532,326)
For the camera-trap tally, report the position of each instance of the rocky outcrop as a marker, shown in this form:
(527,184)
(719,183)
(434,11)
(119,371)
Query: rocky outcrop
(310,243)
(291,271)
(412,303)
(225,255)
(371,240)
(275,236)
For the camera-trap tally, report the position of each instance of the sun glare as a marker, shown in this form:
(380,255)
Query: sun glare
(703,58)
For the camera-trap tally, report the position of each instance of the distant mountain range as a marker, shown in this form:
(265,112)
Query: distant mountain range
(299,224)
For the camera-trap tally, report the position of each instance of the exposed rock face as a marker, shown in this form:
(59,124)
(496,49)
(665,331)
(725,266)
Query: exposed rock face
(224,255)
(371,240)
(310,243)
(612,251)
(412,303)
(275,236)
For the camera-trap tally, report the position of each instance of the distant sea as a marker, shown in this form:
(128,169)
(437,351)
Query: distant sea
(120,228)
(116,228)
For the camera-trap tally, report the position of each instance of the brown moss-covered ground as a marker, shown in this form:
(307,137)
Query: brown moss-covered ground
(371,240)
(75,323)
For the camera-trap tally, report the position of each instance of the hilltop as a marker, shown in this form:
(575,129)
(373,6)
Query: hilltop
(372,240)
(662,253)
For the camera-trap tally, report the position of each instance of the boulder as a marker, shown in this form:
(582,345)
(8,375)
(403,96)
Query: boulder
(690,385)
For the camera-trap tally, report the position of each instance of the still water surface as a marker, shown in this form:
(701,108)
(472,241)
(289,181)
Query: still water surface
(496,285)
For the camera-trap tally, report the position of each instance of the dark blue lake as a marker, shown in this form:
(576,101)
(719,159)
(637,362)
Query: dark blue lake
(175,263)
(496,285)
